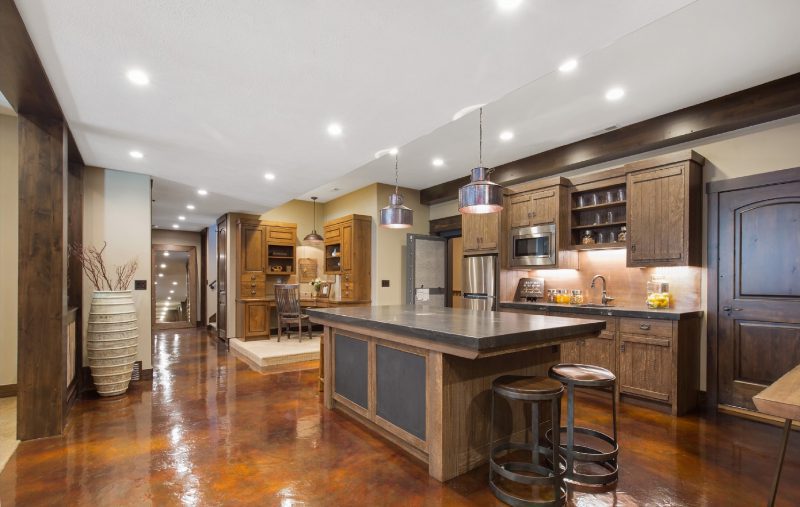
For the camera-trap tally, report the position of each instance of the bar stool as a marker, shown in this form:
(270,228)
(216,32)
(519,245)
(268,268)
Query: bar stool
(584,375)
(534,390)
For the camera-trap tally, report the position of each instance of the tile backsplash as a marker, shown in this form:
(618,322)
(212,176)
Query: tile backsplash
(627,285)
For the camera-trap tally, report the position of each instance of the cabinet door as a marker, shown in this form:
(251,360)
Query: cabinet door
(254,246)
(519,210)
(645,366)
(657,224)
(281,235)
(256,319)
(470,231)
(600,351)
(543,208)
(347,247)
(490,231)
(333,234)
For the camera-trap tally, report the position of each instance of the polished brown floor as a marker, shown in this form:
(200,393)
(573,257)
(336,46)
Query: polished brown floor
(209,431)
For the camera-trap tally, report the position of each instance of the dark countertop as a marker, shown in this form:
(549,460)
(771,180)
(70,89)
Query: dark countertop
(612,311)
(470,329)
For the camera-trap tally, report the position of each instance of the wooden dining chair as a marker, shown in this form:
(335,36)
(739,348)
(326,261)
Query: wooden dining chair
(287,303)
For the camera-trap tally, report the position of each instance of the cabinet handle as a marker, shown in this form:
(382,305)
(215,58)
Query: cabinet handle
(530,214)
(533,213)
(644,327)
(252,285)
(252,277)
(633,247)
(252,293)
(622,347)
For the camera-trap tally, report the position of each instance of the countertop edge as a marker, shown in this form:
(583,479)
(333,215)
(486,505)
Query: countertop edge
(486,344)
(613,311)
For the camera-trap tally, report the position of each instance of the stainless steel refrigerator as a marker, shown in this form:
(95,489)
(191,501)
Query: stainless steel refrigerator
(479,282)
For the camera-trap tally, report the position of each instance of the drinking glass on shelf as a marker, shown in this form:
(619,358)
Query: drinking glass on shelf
(593,200)
(610,196)
(598,218)
(601,236)
(621,194)
(610,216)
(582,200)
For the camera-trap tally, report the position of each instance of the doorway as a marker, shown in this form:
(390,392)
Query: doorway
(754,285)
(174,294)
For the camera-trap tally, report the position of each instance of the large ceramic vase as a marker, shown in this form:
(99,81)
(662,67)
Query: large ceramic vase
(113,338)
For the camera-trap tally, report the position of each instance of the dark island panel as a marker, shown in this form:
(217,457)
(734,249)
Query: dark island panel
(609,311)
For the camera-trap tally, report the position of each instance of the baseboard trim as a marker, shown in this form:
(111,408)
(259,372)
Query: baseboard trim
(8,390)
(146,374)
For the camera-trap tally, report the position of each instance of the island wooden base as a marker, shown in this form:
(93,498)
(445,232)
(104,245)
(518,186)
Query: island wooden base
(456,401)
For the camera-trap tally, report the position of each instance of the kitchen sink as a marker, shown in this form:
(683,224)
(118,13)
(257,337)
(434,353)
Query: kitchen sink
(594,305)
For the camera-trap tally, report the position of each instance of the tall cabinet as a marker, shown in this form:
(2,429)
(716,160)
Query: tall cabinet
(348,247)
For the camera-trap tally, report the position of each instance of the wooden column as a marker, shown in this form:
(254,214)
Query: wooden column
(42,277)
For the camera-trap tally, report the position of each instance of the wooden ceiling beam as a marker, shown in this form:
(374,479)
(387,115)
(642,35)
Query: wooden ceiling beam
(760,104)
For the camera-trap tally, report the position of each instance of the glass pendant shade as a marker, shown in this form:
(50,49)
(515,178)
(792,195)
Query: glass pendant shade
(480,195)
(313,237)
(396,215)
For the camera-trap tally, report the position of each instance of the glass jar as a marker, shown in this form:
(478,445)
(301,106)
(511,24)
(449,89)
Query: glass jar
(576,298)
(587,238)
(621,194)
(563,296)
(551,295)
(623,234)
(658,295)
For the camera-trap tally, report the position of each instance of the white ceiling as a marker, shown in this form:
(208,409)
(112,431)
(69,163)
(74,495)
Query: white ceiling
(237,92)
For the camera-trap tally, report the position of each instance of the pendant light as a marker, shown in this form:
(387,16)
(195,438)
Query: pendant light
(480,195)
(313,237)
(395,215)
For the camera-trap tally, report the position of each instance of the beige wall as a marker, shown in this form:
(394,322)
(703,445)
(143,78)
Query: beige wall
(183,238)
(9,248)
(116,209)
(444,209)
(391,247)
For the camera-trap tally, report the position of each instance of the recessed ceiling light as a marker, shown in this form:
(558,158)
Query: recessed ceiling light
(172,291)
(615,93)
(569,65)
(155,227)
(508,5)
(169,298)
(181,217)
(174,283)
(176,226)
(163,266)
(136,154)
(202,191)
(138,77)
(334,129)
(155,283)
(506,135)
(467,110)
(269,176)
(190,206)
(437,162)
(161,275)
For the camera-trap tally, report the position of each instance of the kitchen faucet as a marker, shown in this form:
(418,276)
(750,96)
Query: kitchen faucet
(605,299)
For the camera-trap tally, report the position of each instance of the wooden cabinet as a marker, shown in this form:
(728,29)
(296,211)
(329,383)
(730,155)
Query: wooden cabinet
(253,248)
(664,215)
(481,232)
(348,252)
(255,319)
(598,351)
(646,366)
(533,208)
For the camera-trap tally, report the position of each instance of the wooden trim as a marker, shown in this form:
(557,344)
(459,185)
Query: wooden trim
(756,416)
(203,313)
(446,224)
(354,407)
(8,390)
(146,374)
(755,180)
(644,392)
(760,104)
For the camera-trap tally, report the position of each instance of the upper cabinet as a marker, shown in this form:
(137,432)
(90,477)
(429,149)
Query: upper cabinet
(481,233)
(665,214)
(533,208)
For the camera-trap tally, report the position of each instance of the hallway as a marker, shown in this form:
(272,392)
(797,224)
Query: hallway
(214,432)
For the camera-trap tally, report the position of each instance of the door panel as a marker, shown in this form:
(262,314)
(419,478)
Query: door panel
(544,209)
(519,213)
(600,351)
(254,253)
(758,317)
(657,203)
(347,244)
(645,367)
(222,278)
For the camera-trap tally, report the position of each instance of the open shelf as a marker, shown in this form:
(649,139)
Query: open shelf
(597,226)
(601,206)
(600,246)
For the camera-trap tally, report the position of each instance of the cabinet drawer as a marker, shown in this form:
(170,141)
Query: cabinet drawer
(648,327)
(253,277)
(253,290)
(277,234)
(611,322)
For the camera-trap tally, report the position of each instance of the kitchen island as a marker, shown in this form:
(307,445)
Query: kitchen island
(421,376)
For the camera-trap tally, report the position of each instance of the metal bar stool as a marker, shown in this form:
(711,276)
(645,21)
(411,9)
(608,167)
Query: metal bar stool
(533,390)
(584,375)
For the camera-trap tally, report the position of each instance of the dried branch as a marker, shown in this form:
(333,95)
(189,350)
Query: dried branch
(94,266)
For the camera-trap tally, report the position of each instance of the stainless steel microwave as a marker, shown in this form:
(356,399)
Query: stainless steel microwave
(533,246)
